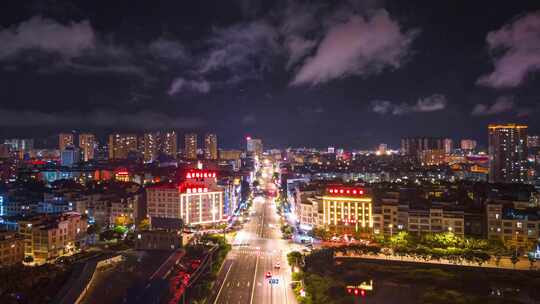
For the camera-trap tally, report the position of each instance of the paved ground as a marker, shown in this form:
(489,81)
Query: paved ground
(256,250)
(111,284)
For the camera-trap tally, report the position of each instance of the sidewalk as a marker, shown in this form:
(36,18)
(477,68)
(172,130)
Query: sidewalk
(505,262)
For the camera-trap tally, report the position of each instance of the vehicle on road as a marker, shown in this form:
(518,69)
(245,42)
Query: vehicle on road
(277,265)
(268,274)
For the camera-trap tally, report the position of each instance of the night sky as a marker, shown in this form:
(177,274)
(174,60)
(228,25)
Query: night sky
(295,73)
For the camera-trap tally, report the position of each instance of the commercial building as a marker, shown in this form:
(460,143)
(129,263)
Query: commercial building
(11,248)
(198,200)
(507,153)
(254,146)
(190,146)
(65,140)
(87,144)
(347,209)
(230,154)
(210,147)
(120,145)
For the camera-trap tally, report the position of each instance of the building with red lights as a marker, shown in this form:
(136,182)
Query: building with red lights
(198,200)
(347,209)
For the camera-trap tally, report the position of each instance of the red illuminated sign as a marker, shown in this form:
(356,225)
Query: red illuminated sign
(201,174)
(345,191)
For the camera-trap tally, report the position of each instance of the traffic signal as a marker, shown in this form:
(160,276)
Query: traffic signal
(349,290)
(356,291)
(362,292)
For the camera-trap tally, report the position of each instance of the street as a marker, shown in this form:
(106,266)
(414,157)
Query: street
(256,250)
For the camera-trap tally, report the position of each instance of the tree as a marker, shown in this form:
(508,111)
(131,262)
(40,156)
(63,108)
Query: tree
(514,259)
(144,224)
(532,259)
(498,259)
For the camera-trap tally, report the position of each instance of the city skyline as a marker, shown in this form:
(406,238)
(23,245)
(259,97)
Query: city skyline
(269,60)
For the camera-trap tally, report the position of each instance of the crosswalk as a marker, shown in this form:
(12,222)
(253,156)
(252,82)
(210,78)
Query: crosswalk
(254,252)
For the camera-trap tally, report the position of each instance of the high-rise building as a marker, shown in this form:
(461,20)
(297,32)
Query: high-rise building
(468,144)
(70,156)
(448,145)
(190,146)
(507,153)
(413,146)
(20,144)
(121,144)
(150,146)
(254,146)
(533,141)
(169,143)
(87,144)
(65,140)
(210,146)
(153,143)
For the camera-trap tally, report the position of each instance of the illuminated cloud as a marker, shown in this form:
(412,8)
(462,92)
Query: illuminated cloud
(517,52)
(501,105)
(38,33)
(181,84)
(431,103)
(357,46)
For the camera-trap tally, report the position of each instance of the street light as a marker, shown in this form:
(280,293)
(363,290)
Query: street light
(391,229)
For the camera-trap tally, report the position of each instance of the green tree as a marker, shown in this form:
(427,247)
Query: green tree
(532,259)
(514,259)
(144,224)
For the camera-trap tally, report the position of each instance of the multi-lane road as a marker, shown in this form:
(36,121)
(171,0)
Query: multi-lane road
(257,248)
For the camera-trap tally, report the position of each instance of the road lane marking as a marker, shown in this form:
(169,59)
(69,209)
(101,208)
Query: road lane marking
(224,280)
(254,277)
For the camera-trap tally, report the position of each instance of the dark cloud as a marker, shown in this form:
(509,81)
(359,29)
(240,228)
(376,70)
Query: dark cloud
(99,119)
(517,52)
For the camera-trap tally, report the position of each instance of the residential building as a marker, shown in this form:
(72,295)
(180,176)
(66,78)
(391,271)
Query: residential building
(51,236)
(210,147)
(468,144)
(120,145)
(65,140)
(512,224)
(11,248)
(190,146)
(169,143)
(150,146)
(87,144)
(507,153)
